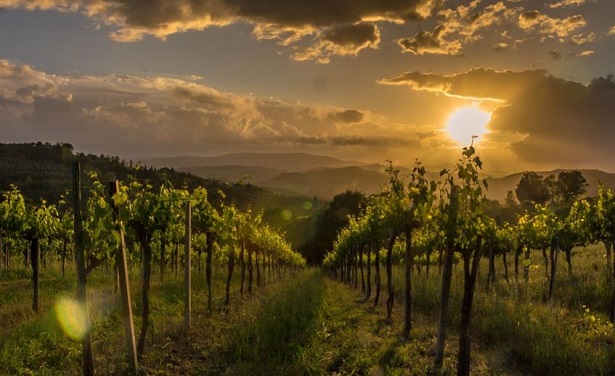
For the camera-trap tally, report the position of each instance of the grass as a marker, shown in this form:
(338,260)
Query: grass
(308,324)
(517,331)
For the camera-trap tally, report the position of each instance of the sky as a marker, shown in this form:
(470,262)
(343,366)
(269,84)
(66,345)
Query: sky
(360,80)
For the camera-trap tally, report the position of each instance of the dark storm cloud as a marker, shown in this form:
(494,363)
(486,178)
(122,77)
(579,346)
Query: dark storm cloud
(340,27)
(430,42)
(556,120)
(344,40)
(348,116)
(477,83)
(324,13)
(319,30)
(352,35)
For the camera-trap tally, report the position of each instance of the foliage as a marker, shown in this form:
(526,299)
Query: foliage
(329,222)
(532,188)
(571,185)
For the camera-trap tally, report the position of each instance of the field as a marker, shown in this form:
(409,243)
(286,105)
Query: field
(306,323)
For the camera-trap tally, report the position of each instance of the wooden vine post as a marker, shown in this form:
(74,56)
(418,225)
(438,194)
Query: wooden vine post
(187,271)
(129,329)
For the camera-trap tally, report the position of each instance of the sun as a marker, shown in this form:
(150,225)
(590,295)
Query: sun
(466,123)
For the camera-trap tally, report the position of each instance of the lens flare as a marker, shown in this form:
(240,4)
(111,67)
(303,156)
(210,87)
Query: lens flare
(286,214)
(72,318)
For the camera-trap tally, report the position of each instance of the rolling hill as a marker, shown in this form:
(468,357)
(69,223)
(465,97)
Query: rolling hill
(289,162)
(325,177)
(327,182)
(247,174)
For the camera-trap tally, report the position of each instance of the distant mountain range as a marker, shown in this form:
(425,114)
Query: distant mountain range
(324,177)
(256,175)
(288,162)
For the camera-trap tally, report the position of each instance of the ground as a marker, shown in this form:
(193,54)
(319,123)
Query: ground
(307,323)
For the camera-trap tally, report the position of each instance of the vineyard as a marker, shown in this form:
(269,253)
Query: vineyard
(126,278)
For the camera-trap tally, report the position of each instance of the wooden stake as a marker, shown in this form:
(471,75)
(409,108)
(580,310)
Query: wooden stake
(187,271)
(122,266)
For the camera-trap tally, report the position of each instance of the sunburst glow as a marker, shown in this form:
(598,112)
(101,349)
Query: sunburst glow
(467,122)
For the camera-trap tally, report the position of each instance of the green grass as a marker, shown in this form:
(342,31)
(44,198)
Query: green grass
(517,331)
(309,324)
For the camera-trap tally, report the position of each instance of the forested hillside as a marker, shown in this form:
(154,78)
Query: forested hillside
(42,171)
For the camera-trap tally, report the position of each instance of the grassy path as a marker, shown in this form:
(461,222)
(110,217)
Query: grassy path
(354,338)
(307,324)
(317,326)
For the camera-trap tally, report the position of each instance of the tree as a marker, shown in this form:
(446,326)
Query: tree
(330,221)
(532,188)
(571,185)
(510,200)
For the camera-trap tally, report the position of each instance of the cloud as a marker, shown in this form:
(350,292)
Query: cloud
(345,40)
(476,20)
(611,31)
(557,122)
(336,27)
(533,20)
(501,47)
(348,116)
(318,31)
(479,83)
(457,27)
(583,53)
(426,42)
(566,3)
(580,39)
(556,55)
(165,116)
